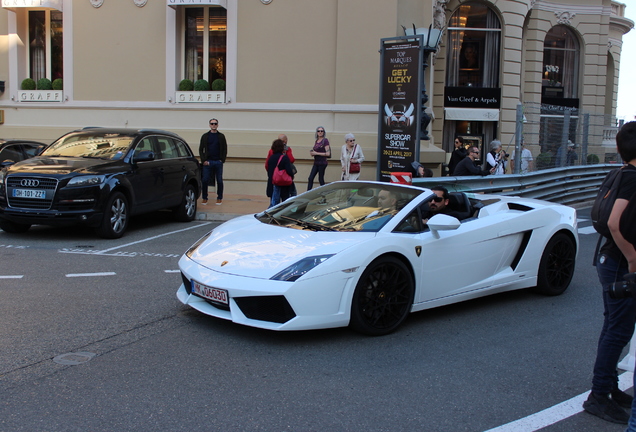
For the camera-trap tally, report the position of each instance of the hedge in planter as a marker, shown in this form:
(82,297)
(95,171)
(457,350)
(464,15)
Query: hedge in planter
(28,84)
(45,84)
(186,85)
(218,85)
(58,84)
(201,85)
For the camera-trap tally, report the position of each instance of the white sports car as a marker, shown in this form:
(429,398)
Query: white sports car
(359,254)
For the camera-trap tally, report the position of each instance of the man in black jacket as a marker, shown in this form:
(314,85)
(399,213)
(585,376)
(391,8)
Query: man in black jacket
(467,167)
(213,151)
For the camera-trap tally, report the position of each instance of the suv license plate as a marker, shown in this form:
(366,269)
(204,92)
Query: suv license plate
(214,294)
(29,193)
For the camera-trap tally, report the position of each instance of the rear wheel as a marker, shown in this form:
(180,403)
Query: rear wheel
(557,265)
(383,297)
(115,219)
(187,210)
(12,227)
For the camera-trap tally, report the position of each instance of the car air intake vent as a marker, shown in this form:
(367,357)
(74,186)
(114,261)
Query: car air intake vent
(266,308)
(31,184)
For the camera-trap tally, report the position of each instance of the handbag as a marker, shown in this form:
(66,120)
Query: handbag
(281,177)
(354,168)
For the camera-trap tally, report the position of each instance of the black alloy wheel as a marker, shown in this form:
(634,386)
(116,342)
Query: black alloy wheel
(557,265)
(116,216)
(383,297)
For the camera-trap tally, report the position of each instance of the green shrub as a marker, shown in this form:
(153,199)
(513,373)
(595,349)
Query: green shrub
(44,84)
(186,85)
(28,84)
(201,85)
(218,85)
(592,159)
(58,84)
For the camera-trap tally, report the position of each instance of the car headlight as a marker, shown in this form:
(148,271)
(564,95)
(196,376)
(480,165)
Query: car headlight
(196,245)
(86,180)
(298,269)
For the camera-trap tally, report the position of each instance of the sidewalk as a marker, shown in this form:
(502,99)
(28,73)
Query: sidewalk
(233,206)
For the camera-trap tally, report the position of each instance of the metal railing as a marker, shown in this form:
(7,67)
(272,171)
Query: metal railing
(569,186)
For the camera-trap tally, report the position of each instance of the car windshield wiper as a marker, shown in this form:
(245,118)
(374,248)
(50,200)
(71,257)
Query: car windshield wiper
(271,217)
(309,225)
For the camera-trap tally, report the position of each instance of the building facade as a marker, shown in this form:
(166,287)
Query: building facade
(289,66)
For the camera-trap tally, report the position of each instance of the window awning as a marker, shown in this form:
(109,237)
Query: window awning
(175,3)
(32,4)
(473,114)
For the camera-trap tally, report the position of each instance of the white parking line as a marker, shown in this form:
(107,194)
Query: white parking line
(152,238)
(90,274)
(555,414)
(12,277)
(172,271)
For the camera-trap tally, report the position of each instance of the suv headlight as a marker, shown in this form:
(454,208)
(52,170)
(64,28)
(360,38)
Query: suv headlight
(86,180)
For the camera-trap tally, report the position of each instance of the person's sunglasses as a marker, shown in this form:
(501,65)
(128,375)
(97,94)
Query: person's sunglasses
(321,131)
(437,199)
(214,124)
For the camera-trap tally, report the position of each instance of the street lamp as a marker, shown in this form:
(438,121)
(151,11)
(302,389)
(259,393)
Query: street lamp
(431,39)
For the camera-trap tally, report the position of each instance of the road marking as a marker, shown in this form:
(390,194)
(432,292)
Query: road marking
(90,274)
(105,251)
(556,413)
(172,271)
(12,277)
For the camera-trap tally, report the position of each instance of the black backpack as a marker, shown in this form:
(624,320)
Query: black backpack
(604,202)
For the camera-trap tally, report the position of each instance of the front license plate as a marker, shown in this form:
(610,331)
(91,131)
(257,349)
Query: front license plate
(29,193)
(214,294)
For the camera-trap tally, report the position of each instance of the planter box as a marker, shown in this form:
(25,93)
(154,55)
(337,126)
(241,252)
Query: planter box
(200,97)
(40,96)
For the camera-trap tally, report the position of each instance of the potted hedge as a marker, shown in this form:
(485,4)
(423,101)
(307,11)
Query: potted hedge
(201,85)
(27,84)
(45,84)
(186,85)
(58,84)
(218,85)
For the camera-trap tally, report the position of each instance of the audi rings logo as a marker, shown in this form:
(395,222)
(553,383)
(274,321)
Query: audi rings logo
(30,183)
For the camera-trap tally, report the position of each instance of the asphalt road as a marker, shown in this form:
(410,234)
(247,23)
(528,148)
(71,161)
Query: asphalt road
(93,339)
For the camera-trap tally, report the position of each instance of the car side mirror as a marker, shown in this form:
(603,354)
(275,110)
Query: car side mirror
(442,222)
(144,156)
(6,163)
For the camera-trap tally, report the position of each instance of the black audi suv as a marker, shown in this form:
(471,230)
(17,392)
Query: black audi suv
(100,177)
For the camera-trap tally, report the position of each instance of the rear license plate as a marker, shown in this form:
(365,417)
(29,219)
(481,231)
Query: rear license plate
(214,294)
(29,193)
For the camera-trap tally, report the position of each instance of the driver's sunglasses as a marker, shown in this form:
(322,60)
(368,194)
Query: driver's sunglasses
(437,199)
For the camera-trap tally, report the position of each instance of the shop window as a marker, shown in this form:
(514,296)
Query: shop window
(560,64)
(45,48)
(473,48)
(204,45)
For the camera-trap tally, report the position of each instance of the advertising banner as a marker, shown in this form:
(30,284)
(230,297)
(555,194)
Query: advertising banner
(400,106)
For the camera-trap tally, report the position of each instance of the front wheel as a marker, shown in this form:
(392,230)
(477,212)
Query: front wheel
(557,265)
(115,219)
(383,297)
(12,227)
(187,210)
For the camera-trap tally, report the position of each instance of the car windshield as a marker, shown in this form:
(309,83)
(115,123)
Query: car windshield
(90,145)
(341,206)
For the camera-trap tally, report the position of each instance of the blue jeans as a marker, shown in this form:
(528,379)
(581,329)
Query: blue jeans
(215,168)
(618,326)
(279,194)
